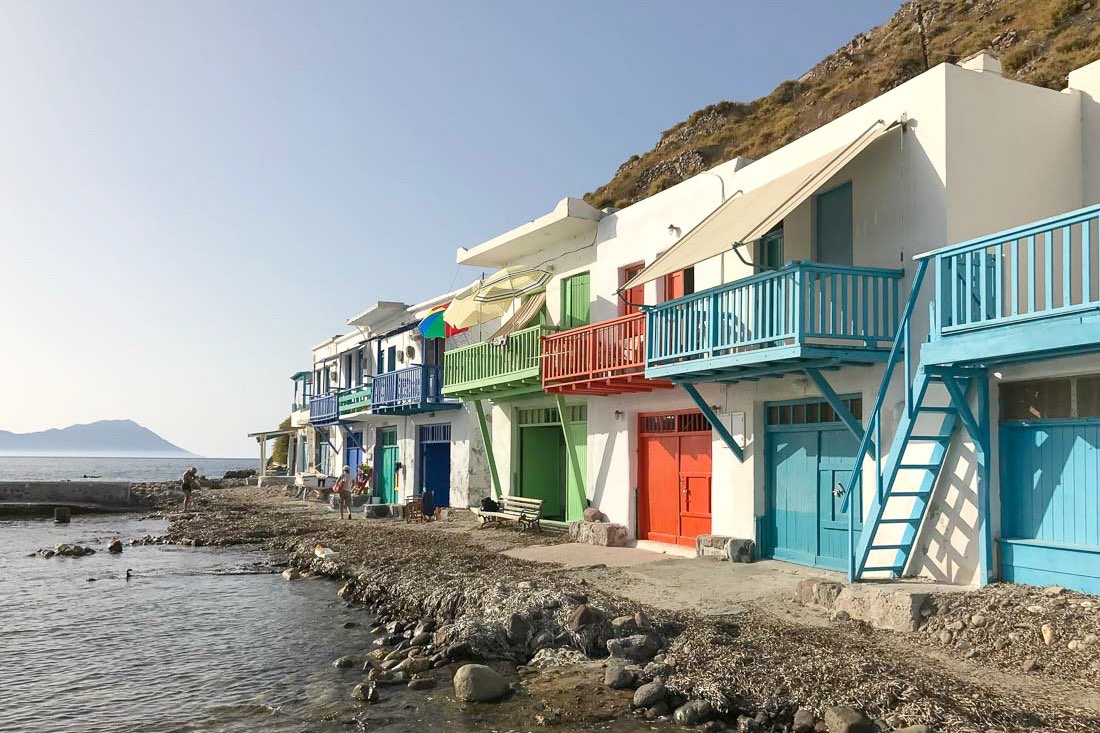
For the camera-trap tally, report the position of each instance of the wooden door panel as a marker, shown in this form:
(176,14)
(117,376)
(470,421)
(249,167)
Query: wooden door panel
(658,484)
(541,477)
(695,454)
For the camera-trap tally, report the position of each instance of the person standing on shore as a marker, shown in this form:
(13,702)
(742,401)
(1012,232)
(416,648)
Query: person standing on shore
(189,483)
(343,491)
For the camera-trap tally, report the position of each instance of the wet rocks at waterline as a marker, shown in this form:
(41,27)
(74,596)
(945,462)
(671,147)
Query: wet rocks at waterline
(65,550)
(479,683)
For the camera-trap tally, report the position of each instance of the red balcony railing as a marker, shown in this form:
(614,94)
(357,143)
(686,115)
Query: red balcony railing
(604,358)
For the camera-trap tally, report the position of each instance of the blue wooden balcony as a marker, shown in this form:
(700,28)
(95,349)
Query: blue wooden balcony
(803,315)
(324,409)
(407,391)
(1024,293)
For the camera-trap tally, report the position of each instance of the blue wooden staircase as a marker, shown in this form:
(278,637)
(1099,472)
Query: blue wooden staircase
(936,404)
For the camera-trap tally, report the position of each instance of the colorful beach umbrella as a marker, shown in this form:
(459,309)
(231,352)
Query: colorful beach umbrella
(434,327)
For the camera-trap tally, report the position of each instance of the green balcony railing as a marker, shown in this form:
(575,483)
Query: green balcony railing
(492,368)
(356,399)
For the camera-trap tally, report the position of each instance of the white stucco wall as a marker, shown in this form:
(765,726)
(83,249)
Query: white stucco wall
(980,153)
(1085,83)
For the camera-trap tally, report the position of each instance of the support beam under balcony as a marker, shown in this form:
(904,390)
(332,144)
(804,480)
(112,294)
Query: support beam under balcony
(723,431)
(487,439)
(574,460)
(838,406)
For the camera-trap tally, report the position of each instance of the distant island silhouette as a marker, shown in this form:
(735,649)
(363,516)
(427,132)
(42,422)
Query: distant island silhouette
(123,438)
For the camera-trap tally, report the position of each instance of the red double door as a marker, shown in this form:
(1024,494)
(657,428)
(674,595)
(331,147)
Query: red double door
(674,476)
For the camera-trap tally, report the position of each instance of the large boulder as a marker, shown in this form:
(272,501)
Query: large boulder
(114,546)
(843,719)
(650,694)
(804,720)
(602,534)
(693,712)
(584,615)
(479,683)
(639,648)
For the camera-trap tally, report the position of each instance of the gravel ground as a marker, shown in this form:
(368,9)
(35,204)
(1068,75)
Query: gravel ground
(749,663)
(1046,631)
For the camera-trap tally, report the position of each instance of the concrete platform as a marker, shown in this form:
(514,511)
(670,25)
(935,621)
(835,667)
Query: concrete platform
(714,587)
(581,555)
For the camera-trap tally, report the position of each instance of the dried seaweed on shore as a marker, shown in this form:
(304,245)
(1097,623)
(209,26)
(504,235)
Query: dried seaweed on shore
(749,662)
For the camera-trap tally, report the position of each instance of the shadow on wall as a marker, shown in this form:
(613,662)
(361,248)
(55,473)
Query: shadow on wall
(947,548)
(604,468)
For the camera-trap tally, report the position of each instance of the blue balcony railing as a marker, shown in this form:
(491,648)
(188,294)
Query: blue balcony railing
(1040,270)
(324,408)
(801,304)
(412,389)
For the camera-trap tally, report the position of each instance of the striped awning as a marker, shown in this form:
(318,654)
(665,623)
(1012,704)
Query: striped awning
(745,218)
(528,311)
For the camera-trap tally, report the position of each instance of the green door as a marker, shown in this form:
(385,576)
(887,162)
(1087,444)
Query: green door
(387,479)
(542,470)
(578,438)
(575,301)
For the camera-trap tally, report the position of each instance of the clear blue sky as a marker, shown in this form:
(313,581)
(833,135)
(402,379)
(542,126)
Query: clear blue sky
(194,193)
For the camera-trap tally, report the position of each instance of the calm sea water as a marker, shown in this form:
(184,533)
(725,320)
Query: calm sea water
(61,468)
(188,645)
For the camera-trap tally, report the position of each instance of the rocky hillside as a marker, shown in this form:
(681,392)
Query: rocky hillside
(1039,41)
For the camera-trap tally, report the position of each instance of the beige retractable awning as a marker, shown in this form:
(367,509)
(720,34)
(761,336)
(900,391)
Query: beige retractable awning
(746,218)
(528,310)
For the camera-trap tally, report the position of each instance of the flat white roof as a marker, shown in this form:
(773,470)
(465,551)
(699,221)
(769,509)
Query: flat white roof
(570,218)
(379,315)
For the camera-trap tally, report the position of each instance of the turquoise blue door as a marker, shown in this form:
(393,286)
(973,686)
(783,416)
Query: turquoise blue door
(810,455)
(834,226)
(387,460)
(1050,503)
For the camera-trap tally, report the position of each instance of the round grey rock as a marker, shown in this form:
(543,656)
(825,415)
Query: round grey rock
(479,683)
(693,712)
(650,694)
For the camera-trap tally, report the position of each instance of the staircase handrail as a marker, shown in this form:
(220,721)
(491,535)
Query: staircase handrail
(901,343)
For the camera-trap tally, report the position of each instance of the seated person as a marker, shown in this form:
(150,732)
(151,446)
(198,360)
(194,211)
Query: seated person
(427,503)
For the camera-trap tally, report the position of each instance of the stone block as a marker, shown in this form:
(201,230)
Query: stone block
(740,550)
(812,591)
(710,545)
(727,548)
(602,534)
(882,608)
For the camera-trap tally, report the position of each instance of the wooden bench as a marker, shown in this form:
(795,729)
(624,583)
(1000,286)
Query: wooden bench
(519,509)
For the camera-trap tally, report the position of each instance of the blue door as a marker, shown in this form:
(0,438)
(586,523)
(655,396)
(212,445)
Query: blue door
(810,455)
(834,226)
(1050,503)
(353,455)
(435,462)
